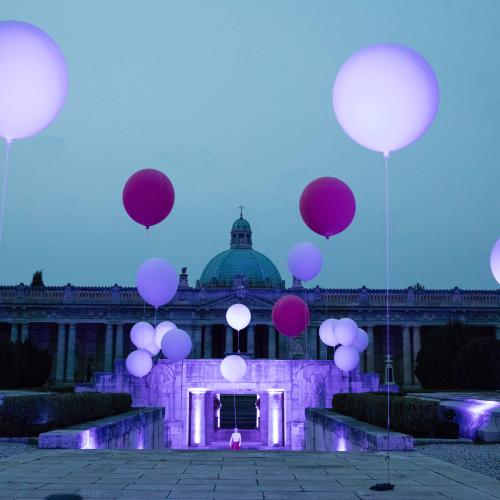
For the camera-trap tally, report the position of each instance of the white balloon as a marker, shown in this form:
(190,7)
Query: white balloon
(161,329)
(139,363)
(361,342)
(238,316)
(233,368)
(495,260)
(142,334)
(176,344)
(153,349)
(326,332)
(346,358)
(346,331)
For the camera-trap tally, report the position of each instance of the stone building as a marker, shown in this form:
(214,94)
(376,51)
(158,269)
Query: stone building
(87,328)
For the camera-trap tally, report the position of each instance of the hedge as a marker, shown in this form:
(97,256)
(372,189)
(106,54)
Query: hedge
(417,417)
(31,415)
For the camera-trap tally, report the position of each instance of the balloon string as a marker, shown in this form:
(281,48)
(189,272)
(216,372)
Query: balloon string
(239,341)
(386,160)
(234,408)
(8,146)
(154,322)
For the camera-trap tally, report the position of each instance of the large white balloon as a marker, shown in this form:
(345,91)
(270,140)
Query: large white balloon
(161,329)
(233,368)
(142,334)
(153,349)
(305,261)
(385,96)
(346,358)
(139,363)
(176,344)
(326,332)
(238,316)
(157,281)
(495,260)
(346,331)
(361,342)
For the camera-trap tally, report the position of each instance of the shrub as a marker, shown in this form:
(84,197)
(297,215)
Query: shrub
(31,415)
(417,417)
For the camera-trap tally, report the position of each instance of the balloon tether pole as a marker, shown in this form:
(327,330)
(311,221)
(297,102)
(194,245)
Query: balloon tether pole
(8,147)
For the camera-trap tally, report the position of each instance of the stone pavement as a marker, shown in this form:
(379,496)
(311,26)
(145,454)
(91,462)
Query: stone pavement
(235,475)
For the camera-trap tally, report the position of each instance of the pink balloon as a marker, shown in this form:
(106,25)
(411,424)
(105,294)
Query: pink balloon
(290,315)
(327,206)
(148,196)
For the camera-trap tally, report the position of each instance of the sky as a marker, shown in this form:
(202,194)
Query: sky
(232,100)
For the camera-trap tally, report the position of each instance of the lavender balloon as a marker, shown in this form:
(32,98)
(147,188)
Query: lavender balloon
(238,316)
(346,331)
(346,358)
(361,342)
(305,261)
(326,332)
(142,335)
(139,363)
(157,282)
(385,97)
(176,344)
(161,329)
(33,80)
(495,260)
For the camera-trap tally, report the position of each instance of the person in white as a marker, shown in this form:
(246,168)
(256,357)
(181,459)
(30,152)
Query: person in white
(235,441)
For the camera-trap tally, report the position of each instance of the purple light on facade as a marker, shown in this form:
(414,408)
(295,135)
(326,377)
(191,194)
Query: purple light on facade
(341,444)
(88,440)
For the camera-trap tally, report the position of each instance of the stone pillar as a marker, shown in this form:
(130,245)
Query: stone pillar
(197,418)
(208,341)
(275,418)
(13,333)
(70,365)
(196,336)
(283,345)
(229,339)
(370,351)
(497,332)
(25,329)
(407,361)
(251,340)
(119,342)
(416,349)
(312,338)
(61,344)
(108,348)
(271,341)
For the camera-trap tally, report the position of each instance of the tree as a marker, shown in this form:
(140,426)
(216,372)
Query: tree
(37,279)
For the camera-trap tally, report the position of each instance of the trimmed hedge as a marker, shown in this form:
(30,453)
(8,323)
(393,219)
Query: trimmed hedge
(417,417)
(31,415)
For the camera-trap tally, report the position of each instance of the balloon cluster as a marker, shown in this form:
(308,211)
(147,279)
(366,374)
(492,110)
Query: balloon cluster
(351,340)
(174,343)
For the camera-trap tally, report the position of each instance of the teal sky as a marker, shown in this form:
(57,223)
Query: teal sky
(231,99)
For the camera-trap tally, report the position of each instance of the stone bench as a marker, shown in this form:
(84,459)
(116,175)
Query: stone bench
(326,430)
(141,428)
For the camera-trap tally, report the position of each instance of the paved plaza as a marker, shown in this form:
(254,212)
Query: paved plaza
(235,475)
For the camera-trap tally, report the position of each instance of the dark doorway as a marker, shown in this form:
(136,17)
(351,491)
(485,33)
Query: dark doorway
(246,411)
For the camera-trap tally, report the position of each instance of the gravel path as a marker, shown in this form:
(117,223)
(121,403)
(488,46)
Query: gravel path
(482,458)
(8,449)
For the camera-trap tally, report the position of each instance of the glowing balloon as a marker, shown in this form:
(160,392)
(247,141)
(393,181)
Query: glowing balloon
(346,358)
(148,197)
(327,206)
(346,331)
(290,315)
(142,334)
(385,97)
(495,260)
(33,80)
(139,363)
(176,344)
(157,282)
(238,316)
(233,368)
(326,332)
(153,349)
(161,329)
(305,261)
(361,342)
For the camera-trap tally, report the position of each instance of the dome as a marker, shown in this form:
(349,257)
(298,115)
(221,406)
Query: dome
(241,260)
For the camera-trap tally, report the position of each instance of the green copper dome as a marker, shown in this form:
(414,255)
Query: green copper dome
(241,260)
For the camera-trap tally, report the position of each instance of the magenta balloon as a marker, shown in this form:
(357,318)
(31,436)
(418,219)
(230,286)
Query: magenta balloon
(385,97)
(33,80)
(290,315)
(305,261)
(157,282)
(327,206)
(148,196)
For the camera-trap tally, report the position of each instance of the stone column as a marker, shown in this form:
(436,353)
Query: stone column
(370,351)
(229,339)
(119,342)
(275,418)
(283,345)
(197,418)
(61,344)
(108,348)
(416,349)
(208,341)
(407,361)
(13,333)
(271,341)
(312,338)
(25,329)
(251,340)
(70,365)
(497,332)
(196,337)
